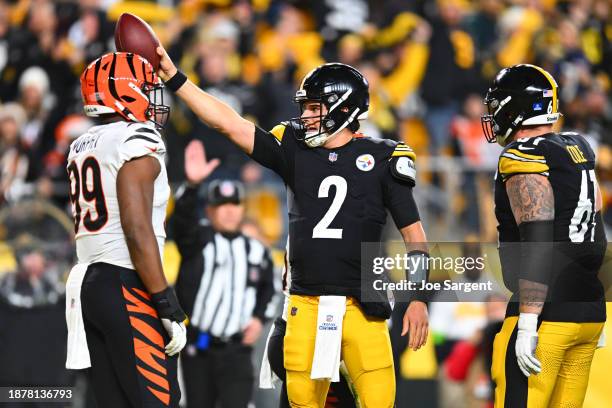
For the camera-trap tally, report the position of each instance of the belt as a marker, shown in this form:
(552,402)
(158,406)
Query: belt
(225,340)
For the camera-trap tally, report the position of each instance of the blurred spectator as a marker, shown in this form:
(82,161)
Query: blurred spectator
(217,71)
(13,159)
(450,71)
(334,19)
(35,283)
(480,158)
(31,309)
(36,100)
(482,25)
(262,205)
(53,181)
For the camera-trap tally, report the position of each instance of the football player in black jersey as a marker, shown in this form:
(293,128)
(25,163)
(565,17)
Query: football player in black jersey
(551,245)
(339,185)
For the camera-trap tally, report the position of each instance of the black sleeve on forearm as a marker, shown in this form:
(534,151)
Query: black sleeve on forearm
(265,288)
(185,221)
(537,251)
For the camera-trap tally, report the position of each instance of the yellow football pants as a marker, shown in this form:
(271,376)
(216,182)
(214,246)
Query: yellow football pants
(565,351)
(366,351)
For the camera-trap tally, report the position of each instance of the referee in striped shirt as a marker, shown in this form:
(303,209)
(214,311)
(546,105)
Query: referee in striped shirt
(224,284)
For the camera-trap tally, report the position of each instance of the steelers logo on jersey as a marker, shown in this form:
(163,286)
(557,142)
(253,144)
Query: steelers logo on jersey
(365,162)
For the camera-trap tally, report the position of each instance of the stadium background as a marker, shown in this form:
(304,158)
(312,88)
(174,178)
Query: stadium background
(428,64)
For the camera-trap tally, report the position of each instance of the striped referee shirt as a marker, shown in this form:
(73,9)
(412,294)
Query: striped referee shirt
(224,279)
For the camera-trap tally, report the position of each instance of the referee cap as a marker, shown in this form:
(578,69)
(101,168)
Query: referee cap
(225,191)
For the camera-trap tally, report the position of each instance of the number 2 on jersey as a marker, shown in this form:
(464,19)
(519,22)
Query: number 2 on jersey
(78,185)
(322,230)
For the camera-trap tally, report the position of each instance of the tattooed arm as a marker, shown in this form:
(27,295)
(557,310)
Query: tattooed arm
(533,205)
(531,198)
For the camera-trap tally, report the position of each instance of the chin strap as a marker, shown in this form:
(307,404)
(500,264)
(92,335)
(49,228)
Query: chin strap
(324,137)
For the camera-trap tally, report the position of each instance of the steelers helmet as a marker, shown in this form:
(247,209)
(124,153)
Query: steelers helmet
(344,92)
(522,95)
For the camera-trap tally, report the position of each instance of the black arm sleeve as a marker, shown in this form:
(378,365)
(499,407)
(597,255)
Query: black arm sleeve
(268,151)
(188,282)
(265,288)
(399,201)
(537,251)
(187,231)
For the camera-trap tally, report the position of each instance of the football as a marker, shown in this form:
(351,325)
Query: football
(133,34)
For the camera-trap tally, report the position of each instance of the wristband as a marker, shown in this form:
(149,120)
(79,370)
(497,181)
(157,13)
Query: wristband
(418,271)
(528,321)
(418,266)
(167,305)
(176,81)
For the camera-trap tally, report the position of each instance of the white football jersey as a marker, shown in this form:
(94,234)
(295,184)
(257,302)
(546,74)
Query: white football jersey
(93,164)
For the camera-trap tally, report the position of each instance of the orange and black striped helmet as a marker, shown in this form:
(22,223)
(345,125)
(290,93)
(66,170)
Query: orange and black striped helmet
(126,84)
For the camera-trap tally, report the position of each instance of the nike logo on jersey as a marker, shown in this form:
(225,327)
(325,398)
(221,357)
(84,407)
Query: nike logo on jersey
(152,149)
(521,147)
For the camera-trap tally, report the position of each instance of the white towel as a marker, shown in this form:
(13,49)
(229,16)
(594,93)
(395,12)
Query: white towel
(267,378)
(78,353)
(601,343)
(328,343)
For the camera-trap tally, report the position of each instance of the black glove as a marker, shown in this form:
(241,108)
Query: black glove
(167,305)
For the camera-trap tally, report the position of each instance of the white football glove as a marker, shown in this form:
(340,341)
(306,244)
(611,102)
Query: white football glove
(178,336)
(172,318)
(526,343)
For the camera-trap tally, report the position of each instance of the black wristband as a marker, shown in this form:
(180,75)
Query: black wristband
(167,305)
(176,81)
(418,271)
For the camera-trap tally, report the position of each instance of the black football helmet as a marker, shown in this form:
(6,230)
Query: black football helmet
(522,95)
(344,92)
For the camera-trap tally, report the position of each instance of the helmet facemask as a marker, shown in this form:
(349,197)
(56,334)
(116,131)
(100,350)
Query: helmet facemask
(331,123)
(497,126)
(157,112)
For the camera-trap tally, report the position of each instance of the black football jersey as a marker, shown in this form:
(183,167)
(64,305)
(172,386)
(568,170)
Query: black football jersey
(337,199)
(568,162)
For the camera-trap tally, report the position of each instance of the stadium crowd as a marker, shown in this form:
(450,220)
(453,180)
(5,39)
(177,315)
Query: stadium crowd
(428,64)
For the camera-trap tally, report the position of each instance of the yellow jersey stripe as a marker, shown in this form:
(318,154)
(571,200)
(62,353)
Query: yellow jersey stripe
(518,153)
(278,131)
(554,85)
(401,153)
(509,166)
